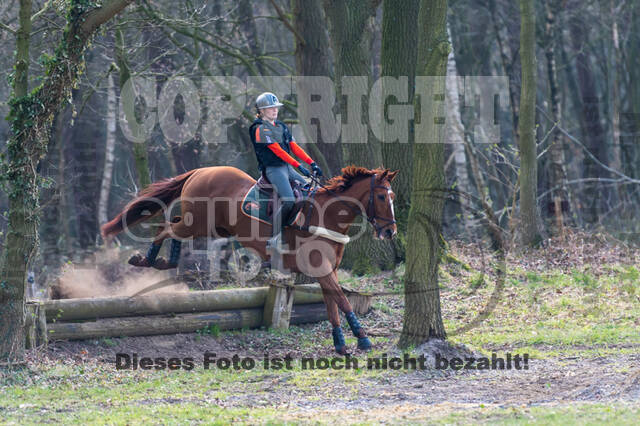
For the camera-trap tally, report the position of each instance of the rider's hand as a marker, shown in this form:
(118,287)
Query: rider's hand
(304,171)
(316,169)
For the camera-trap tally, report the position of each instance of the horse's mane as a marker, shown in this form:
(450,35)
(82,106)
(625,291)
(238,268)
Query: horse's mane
(349,175)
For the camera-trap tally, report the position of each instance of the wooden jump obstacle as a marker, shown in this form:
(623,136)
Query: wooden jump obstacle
(275,306)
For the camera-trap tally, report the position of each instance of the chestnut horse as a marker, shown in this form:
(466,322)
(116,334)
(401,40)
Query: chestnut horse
(211,200)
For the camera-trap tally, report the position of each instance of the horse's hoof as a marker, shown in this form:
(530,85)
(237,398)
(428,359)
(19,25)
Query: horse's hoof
(138,260)
(163,264)
(342,350)
(364,344)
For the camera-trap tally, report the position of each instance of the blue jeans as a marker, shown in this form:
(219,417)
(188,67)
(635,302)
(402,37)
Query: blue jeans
(279,177)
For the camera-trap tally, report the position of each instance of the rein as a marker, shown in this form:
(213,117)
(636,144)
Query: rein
(370,213)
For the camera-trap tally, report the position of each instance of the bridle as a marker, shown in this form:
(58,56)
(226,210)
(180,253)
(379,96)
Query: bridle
(372,216)
(370,212)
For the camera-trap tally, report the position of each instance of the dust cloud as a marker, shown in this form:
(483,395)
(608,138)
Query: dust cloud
(112,276)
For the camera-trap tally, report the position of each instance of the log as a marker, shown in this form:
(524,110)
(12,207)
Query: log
(360,302)
(312,312)
(173,324)
(155,324)
(187,302)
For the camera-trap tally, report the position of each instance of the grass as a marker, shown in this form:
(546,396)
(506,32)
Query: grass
(581,413)
(552,314)
(182,409)
(567,311)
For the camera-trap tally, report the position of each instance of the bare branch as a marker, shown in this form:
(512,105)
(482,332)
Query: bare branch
(100,15)
(39,13)
(286,22)
(8,28)
(593,157)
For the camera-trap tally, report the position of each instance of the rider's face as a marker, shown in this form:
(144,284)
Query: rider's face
(270,113)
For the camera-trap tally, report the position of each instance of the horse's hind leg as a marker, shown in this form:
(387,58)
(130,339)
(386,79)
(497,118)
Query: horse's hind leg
(151,258)
(176,229)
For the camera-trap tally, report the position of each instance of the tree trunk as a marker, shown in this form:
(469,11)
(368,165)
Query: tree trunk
(455,133)
(30,116)
(110,143)
(313,59)
(52,229)
(140,155)
(592,129)
(557,172)
(249,30)
(398,58)
(614,82)
(21,239)
(527,124)
(348,24)
(506,58)
(422,315)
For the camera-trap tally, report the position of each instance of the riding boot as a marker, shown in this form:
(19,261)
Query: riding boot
(275,244)
(278,224)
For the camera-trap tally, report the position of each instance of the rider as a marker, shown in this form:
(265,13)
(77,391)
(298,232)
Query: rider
(273,144)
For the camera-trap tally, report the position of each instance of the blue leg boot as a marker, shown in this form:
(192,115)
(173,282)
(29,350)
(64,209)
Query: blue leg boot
(338,341)
(174,257)
(363,341)
(149,259)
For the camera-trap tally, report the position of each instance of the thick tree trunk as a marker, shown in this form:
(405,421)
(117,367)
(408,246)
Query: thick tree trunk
(422,315)
(21,240)
(31,116)
(527,123)
(313,59)
(350,38)
(398,59)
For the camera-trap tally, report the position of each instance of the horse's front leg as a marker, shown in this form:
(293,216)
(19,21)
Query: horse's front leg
(334,319)
(331,290)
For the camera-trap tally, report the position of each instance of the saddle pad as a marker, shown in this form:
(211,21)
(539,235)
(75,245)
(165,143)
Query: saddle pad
(256,203)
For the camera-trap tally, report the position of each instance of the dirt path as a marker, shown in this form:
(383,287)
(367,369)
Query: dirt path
(546,381)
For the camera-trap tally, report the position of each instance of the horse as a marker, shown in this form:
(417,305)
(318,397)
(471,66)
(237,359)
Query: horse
(211,201)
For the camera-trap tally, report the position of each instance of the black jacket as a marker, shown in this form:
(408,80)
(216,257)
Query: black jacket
(266,157)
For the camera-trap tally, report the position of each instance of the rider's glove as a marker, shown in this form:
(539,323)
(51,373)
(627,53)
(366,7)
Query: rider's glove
(316,169)
(304,171)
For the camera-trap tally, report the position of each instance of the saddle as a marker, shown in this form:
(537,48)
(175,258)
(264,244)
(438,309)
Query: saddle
(260,200)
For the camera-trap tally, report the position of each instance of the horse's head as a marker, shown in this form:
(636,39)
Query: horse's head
(379,205)
(367,192)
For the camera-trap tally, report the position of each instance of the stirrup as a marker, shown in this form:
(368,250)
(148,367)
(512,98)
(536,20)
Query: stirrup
(275,243)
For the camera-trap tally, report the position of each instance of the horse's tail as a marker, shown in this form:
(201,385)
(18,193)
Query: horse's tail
(147,200)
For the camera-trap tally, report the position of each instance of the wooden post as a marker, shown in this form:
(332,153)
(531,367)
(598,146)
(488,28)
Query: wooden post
(277,307)
(35,325)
